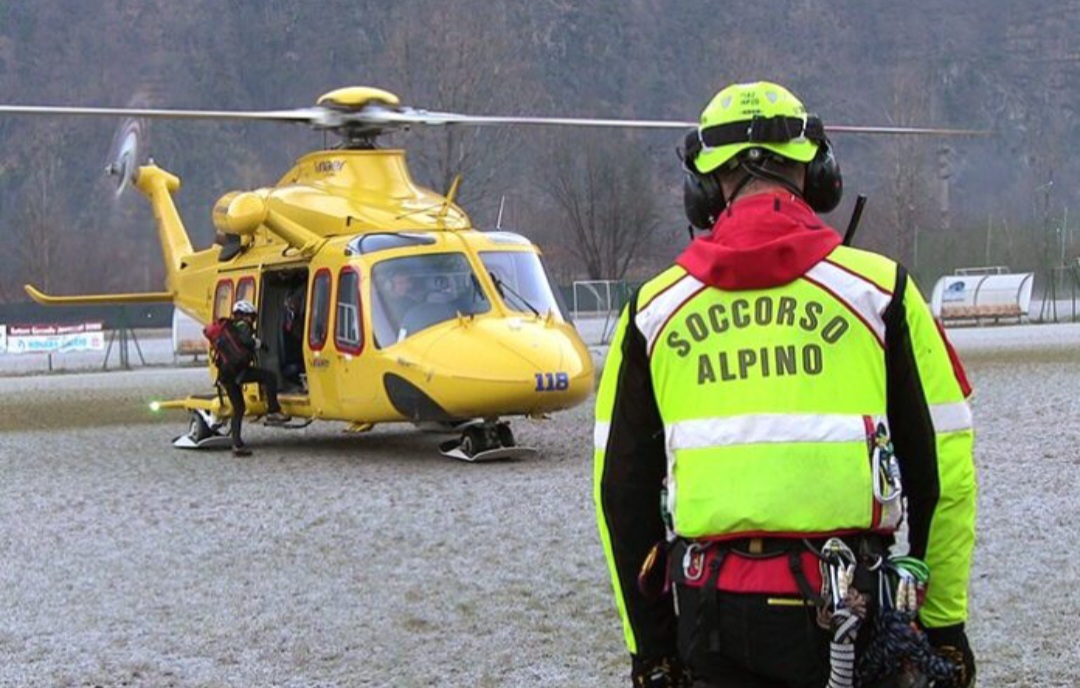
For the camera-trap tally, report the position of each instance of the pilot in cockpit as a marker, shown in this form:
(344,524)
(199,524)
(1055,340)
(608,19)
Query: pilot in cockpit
(403,295)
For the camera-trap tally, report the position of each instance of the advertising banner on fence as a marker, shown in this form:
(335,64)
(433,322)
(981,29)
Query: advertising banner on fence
(53,339)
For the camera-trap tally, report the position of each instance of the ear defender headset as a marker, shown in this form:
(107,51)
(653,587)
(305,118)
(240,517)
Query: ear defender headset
(743,140)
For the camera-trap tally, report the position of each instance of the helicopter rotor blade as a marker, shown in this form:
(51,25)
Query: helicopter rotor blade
(377,115)
(410,116)
(413,116)
(298,115)
(917,131)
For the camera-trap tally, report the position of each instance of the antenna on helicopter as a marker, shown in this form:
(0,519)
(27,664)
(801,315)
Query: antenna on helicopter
(502,204)
(451,194)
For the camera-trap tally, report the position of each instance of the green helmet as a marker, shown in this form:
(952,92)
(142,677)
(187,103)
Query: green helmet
(756,115)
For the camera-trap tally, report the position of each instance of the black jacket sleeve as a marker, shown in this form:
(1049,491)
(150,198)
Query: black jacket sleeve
(630,468)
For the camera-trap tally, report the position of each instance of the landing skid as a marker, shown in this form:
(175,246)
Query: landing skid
(291,425)
(485,441)
(203,433)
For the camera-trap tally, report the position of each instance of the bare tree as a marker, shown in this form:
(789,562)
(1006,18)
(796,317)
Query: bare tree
(39,233)
(910,184)
(606,201)
(439,70)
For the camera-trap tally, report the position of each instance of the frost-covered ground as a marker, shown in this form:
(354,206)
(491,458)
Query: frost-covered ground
(336,560)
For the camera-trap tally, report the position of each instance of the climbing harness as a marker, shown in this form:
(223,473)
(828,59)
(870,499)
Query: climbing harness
(769,566)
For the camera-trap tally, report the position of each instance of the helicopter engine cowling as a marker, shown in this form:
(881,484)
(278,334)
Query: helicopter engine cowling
(239,213)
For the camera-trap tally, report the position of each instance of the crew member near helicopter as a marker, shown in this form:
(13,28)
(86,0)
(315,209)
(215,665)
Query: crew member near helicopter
(242,324)
(761,401)
(292,338)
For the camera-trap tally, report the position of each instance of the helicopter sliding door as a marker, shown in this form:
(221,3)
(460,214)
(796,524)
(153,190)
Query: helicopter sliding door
(338,368)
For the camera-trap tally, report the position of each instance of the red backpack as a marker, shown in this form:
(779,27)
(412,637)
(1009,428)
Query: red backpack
(227,351)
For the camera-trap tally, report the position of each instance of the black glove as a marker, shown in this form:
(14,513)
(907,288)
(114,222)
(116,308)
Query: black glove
(951,642)
(660,672)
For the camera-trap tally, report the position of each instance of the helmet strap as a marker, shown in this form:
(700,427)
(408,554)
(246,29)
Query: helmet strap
(746,179)
(757,170)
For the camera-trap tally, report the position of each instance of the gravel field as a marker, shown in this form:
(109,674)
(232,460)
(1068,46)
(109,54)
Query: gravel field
(336,560)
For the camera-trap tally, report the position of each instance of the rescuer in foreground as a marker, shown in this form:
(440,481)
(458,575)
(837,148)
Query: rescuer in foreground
(772,408)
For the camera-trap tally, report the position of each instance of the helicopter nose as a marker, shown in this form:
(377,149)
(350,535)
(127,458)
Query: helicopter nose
(499,366)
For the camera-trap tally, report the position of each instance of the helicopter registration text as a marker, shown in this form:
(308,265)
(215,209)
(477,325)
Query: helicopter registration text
(552,382)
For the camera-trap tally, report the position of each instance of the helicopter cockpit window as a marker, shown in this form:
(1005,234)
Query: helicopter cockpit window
(521,281)
(370,243)
(413,293)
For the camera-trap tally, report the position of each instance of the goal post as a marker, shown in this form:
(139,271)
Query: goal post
(596,307)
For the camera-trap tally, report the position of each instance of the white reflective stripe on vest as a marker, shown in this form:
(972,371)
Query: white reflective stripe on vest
(651,319)
(860,295)
(766,427)
(951,417)
(600,434)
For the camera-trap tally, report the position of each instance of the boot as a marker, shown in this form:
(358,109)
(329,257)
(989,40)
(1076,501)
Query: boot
(277,418)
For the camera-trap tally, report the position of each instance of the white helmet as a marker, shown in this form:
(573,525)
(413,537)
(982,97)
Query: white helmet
(244,307)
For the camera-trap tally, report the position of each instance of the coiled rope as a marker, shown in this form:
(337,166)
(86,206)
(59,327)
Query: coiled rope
(897,646)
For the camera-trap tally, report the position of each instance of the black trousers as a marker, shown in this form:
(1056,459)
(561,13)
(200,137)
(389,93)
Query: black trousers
(752,642)
(758,643)
(234,390)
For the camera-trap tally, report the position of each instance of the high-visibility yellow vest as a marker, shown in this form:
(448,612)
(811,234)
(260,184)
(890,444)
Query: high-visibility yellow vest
(772,399)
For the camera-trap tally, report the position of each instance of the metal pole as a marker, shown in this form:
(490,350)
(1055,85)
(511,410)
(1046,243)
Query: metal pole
(108,350)
(1064,232)
(123,349)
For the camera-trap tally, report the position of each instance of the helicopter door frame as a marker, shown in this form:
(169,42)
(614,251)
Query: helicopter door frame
(321,369)
(277,356)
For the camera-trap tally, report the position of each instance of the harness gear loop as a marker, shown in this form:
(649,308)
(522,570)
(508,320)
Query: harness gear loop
(708,607)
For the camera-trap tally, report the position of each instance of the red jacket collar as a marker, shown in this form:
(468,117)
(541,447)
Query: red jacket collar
(760,241)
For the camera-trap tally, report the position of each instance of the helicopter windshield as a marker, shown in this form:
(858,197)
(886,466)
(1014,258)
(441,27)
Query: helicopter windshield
(416,292)
(521,281)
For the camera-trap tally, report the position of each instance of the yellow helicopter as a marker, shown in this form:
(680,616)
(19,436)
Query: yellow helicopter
(409,312)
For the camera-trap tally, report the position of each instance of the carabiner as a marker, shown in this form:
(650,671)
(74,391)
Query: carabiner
(693,562)
(886,473)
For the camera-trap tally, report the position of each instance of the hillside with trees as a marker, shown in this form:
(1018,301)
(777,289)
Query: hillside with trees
(602,204)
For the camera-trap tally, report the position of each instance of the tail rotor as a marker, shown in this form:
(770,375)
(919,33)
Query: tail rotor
(126,153)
